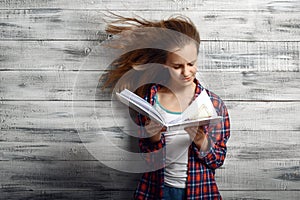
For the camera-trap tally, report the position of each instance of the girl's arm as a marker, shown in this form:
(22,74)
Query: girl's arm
(217,138)
(152,148)
(199,137)
(150,137)
(154,130)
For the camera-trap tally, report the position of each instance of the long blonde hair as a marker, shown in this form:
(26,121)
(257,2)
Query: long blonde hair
(146,43)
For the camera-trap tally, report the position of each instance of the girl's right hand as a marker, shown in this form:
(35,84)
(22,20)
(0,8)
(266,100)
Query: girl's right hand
(154,130)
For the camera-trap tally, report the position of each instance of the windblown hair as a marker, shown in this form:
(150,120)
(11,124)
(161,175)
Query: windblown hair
(145,45)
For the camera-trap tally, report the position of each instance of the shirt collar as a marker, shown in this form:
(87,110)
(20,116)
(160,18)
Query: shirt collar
(155,87)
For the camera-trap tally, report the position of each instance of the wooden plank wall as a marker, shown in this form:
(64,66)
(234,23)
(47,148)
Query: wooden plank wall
(250,56)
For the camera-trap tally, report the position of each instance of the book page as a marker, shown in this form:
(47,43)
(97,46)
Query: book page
(189,123)
(140,105)
(201,107)
(200,112)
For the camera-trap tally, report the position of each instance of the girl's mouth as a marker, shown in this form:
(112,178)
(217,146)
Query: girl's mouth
(187,78)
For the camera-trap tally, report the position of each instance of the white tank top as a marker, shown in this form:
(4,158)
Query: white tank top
(177,144)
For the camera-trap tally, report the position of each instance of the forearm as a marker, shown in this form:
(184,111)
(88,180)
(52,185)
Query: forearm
(211,152)
(153,129)
(151,144)
(203,144)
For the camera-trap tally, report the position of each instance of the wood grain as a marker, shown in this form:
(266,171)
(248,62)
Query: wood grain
(59,24)
(91,55)
(89,115)
(43,55)
(84,85)
(125,195)
(92,175)
(172,5)
(51,113)
(21,144)
(29,166)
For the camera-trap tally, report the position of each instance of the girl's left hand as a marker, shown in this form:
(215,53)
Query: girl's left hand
(199,137)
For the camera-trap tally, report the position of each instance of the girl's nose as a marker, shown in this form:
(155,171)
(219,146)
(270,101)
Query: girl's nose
(184,70)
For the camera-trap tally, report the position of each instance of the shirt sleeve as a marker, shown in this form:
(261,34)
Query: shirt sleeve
(152,152)
(218,136)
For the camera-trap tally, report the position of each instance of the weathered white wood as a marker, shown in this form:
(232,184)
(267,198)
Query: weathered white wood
(51,172)
(174,5)
(84,85)
(260,56)
(89,55)
(272,195)
(79,194)
(43,55)
(264,175)
(47,175)
(72,194)
(41,42)
(52,144)
(57,24)
(91,116)
(248,175)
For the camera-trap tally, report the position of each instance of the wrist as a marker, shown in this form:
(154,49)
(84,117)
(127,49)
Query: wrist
(155,138)
(202,144)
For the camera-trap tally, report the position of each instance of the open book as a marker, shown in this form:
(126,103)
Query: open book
(199,113)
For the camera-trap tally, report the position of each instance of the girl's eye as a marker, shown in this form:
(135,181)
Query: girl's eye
(179,66)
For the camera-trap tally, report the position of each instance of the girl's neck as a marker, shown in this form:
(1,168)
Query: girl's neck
(177,98)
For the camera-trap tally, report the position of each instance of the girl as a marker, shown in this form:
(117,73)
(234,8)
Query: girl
(160,63)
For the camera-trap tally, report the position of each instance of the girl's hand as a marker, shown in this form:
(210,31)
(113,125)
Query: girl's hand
(199,137)
(154,130)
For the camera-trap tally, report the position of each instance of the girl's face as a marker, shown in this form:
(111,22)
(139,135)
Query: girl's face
(182,65)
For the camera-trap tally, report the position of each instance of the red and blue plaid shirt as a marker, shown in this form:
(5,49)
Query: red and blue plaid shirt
(201,182)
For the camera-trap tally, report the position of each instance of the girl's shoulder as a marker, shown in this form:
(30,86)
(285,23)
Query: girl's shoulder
(200,88)
(216,100)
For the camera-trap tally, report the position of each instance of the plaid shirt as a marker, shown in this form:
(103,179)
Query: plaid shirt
(201,165)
